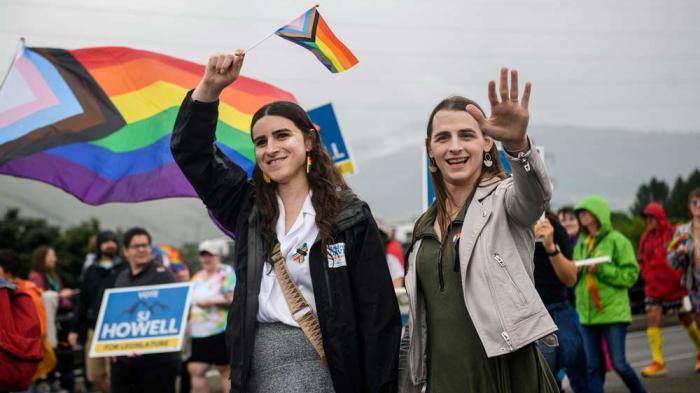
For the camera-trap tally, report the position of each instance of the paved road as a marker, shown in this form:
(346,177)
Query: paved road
(680,358)
(679,354)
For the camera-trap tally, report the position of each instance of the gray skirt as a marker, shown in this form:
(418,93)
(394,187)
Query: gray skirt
(284,361)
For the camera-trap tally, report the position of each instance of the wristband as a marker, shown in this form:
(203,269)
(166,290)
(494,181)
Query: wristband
(556,251)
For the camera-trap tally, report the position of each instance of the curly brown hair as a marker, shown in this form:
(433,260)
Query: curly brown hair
(325,180)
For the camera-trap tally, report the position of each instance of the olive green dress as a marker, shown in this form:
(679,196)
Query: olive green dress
(457,361)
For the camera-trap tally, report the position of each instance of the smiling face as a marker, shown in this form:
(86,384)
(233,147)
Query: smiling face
(280,148)
(570,223)
(138,251)
(587,220)
(457,146)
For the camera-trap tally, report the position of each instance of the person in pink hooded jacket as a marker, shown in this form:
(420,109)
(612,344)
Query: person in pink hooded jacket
(662,286)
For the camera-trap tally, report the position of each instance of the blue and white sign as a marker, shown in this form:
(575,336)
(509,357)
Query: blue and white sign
(141,320)
(324,117)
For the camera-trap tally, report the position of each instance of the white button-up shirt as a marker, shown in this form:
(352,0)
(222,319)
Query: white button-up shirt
(272,305)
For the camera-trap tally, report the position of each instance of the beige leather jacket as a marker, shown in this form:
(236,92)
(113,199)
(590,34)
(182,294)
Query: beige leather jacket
(496,262)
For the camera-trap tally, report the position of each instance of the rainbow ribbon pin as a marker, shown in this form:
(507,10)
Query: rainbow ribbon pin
(678,240)
(301,253)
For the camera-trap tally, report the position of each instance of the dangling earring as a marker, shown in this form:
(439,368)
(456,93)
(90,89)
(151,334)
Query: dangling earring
(308,162)
(266,178)
(488,160)
(432,166)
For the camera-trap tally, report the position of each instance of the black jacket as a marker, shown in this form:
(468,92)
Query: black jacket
(356,304)
(92,287)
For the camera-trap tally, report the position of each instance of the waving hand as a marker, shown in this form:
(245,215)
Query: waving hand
(509,116)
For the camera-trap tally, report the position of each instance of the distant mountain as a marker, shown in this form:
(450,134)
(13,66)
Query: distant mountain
(581,161)
(611,163)
(173,221)
(614,163)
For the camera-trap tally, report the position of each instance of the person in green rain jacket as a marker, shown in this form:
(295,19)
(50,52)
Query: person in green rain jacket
(602,301)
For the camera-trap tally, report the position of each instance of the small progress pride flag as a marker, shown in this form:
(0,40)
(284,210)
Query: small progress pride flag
(311,32)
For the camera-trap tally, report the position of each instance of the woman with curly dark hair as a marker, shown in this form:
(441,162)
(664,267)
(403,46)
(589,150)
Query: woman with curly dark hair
(314,308)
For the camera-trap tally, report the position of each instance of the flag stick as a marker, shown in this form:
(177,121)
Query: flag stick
(259,42)
(267,36)
(20,45)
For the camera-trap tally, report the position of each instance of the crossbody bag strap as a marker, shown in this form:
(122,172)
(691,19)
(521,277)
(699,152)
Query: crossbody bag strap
(298,306)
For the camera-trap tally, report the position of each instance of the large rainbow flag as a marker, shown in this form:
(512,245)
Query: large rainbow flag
(310,31)
(97,122)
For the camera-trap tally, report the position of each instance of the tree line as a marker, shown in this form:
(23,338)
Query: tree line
(674,200)
(25,234)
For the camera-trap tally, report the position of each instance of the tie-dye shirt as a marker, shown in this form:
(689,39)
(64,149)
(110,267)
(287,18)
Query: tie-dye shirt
(209,321)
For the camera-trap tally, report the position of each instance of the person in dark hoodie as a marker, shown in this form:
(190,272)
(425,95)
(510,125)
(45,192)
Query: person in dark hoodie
(99,276)
(662,286)
(304,242)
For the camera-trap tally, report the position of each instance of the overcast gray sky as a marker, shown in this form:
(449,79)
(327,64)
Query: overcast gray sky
(595,65)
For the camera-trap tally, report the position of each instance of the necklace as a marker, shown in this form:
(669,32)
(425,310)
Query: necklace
(452,213)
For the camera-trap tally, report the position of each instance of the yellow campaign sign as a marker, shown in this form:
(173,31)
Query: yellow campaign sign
(346,167)
(140,345)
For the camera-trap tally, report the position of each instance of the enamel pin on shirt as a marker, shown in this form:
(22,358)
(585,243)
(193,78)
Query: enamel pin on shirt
(336,255)
(301,253)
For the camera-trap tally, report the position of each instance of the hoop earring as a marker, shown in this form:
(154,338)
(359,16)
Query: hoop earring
(488,160)
(266,178)
(432,166)
(308,162)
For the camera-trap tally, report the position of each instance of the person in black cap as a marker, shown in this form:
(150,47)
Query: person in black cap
(99,276)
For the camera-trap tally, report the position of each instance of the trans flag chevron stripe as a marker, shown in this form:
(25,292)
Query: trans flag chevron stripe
(97,122)
(310,31)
